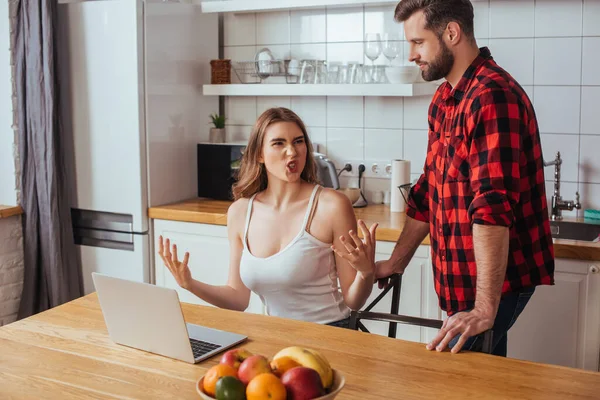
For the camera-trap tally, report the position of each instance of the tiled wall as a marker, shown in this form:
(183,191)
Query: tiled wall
(552,47)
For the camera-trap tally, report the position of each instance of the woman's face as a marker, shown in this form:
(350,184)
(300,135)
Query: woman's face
(284,151)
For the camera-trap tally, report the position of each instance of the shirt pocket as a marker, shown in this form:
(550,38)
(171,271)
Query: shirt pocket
(457,160)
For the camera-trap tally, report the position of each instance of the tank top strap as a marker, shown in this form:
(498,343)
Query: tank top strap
(248,213)
(310,207)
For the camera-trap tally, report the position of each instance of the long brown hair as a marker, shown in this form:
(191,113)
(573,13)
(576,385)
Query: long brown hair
(252,175)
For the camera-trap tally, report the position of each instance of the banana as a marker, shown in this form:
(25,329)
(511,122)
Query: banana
(311,359)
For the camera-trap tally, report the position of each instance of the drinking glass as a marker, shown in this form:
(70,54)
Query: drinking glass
(391,45)
(373,46)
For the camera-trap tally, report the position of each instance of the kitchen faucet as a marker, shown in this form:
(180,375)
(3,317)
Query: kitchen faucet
(558,204)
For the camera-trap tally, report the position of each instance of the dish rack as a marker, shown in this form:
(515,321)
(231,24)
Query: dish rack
(258,71)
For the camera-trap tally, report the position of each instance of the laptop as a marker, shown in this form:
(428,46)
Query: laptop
(149,318)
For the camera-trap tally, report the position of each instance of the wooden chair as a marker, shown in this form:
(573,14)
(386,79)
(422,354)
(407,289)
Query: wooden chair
(394,318)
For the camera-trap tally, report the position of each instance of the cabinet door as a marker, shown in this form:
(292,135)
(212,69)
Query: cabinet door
(411,300)
(208,246)
(561,323)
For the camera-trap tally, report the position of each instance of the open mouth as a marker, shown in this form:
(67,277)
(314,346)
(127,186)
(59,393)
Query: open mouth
(292,166)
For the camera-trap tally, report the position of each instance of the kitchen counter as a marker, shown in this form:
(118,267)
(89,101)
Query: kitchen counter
(66,353)
(9,211)
(390,224)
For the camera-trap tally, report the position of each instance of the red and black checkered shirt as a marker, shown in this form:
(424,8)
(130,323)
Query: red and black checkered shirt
(484,166)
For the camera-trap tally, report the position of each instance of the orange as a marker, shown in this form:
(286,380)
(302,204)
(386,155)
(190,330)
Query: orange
(282,364)
(265,386)
(212,376)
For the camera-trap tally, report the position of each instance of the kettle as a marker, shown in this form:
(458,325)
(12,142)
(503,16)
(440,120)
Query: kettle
(326,173)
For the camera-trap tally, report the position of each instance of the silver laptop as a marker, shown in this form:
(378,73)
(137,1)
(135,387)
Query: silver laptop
(149,318)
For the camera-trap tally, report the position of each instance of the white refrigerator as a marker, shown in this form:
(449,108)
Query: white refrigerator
(130,75)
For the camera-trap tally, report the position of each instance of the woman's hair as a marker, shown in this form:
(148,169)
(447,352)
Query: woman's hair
(252,175)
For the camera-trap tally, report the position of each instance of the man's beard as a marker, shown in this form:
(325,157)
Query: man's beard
(441,66)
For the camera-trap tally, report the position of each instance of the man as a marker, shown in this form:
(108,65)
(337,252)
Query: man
(481,197)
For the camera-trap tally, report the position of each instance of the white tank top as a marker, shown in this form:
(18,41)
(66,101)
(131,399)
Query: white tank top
(299,282)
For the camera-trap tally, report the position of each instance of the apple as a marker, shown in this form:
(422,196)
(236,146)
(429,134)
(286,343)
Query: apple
(253,366)
(302,383)
(235,357)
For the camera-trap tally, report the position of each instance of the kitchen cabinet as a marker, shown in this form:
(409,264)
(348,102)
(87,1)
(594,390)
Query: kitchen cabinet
(209,257)
(561,323)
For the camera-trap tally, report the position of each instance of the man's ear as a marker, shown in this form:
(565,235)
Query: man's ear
(452,34)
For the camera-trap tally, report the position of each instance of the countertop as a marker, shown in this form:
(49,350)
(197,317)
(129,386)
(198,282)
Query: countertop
(66,353)
(9,211)
(390,223)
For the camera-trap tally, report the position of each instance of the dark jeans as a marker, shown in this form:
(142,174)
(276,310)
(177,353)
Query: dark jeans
(511,306)
(342,323)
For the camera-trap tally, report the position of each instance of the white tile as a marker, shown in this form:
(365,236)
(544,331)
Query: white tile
(384,112)
(483,43)
(308,26)
(589,159)
(383,144)
(415,149)
(590,104)
(312,110)
(557,61)
(318,137)
(238,133)
(558,18)
(569,152)
(557,109)
(345,24)
(241,53)
(511,18)
(515,56)
(345,144)
(273,28)
(279,51)
(380,19)
(591,61)
(591,16)
(416,110)
(529,90)
(345,52)
(345,112)
(589,196)
(482,19)
(263,103)
(239,29)
(309,51)
(240,110)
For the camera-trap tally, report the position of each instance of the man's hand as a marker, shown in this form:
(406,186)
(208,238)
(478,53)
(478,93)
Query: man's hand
(467,324)
(384,269)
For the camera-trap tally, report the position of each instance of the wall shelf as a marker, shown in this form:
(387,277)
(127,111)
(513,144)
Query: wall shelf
(244,6)
(403,90)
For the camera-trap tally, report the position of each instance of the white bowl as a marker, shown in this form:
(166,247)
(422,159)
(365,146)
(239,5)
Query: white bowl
(402,74)
(336,387)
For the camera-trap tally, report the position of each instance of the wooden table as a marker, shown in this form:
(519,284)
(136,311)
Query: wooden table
(65,353)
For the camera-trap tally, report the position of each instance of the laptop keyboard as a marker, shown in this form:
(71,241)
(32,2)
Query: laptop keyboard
(200,348)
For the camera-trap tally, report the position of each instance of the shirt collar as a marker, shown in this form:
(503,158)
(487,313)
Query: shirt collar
(465,81)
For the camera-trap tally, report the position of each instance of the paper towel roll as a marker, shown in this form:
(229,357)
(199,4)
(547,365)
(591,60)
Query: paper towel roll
(400,176)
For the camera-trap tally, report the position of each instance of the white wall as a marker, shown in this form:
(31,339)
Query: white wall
(7,162)
(549,46)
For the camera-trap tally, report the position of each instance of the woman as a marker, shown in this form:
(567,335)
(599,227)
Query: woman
(290,239)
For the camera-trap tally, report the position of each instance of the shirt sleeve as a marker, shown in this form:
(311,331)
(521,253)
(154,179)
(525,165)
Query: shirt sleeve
(494,157)
(418,200)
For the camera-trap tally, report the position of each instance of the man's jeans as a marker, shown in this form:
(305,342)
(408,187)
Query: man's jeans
(511,306)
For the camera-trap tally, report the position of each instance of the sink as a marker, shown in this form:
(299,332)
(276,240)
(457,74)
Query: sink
(575,230)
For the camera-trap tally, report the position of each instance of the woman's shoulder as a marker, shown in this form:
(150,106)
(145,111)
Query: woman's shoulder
(237,210)
(332,200)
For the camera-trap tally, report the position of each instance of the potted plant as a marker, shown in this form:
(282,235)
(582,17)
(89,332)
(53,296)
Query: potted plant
(217,134)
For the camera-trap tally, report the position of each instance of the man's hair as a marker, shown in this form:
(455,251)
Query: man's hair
(438,13)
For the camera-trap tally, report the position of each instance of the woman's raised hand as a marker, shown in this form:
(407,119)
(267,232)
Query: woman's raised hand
(179,269)
(359,253)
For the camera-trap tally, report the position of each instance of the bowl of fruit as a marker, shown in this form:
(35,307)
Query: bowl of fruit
(291,374)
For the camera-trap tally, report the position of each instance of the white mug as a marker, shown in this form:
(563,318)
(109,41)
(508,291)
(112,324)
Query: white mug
(377,197)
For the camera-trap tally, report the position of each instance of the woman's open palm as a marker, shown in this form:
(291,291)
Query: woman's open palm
(360,254)
(179,269)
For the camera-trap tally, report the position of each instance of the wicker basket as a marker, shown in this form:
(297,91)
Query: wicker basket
(220,72)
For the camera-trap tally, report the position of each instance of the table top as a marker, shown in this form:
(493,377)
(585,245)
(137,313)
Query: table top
(65,353)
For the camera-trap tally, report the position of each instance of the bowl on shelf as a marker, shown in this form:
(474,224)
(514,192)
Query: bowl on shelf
(339,381)
(402,73)
(353,194)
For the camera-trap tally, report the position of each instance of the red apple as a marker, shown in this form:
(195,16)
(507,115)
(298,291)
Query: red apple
(235,357)
(253,366)
(302,383)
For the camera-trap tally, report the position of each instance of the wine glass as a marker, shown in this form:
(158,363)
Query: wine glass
(373,46)
(391,45)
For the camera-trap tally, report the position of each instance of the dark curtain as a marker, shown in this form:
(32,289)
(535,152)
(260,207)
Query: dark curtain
(52,271)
